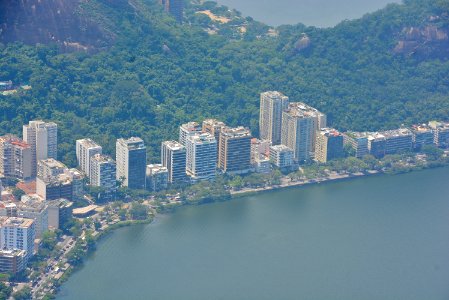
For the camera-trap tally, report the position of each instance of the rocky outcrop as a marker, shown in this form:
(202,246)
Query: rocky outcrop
(61,22)
(303,43)
(427,41)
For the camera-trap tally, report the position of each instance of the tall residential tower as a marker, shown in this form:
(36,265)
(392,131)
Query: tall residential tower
(272,104)
(131,159)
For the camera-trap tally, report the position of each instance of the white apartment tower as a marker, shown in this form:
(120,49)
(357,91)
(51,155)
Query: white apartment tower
(43,140)
(201,156)
(17,233)
(85,149)
(272,104)
(103,174)
(188,129)
(173,157)
(131,158)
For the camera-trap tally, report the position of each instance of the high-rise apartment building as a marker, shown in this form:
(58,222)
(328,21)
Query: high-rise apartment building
(103,174)
(398,140)
(36,209)
(15,157)
(422,135)
(235,150)
(131,158)
(43,140)
(12,261)
(441,133)
(85,149)
(157,177)
(358,142)
(49,168)
(188,129)
(272,104)
(282,156)
(201,156)
(17,233)
(299,125)
(174,7)
(214,127)
(377,144)
(329,145)
(59,213)
(173,157)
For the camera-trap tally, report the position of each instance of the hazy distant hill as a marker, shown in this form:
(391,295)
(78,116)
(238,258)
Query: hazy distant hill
(144,74)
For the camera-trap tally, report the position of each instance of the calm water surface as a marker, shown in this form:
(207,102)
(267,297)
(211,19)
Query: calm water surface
(384,237)
(320,13)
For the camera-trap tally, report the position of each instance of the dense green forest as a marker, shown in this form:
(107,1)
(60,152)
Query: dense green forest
(159,74)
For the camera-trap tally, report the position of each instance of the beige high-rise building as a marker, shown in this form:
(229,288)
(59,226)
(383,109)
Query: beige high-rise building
(214,127)
(85,150)
(15,157)
(43,140)
(235,150)
(272,104)
(329,145)
(299,125)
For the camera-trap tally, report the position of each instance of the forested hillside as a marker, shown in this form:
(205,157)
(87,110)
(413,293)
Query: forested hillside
(385,69)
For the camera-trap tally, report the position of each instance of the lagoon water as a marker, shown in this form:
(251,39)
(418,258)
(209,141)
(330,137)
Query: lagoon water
(320,13)
(384,237)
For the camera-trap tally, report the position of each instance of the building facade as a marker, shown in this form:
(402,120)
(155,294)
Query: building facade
(282,156)
(12,261)
(103,174)
(17,233)
(173,157)
(329,145)
(272,104)
(441,133)
(15,158)
(423,135)
(59,213)
(85,149)
(188,129)
(36,209)
(131,158)
(43,140)
(157,177)
(358,141)
(235,150)
(201,156)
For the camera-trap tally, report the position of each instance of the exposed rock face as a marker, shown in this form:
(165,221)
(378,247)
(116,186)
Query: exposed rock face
(424,42)
(303,43)
(61,22)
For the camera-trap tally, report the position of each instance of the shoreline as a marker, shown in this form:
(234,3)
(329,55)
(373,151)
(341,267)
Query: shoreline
(295,184)
(234,195)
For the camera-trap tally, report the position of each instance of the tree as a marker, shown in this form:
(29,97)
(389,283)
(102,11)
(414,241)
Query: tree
(5,291)
(138,211)
(23,294)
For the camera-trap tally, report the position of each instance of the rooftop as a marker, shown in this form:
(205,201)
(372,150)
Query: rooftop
(237,132)
(273,94)
(202,138)
(132,143)
(88,143)
(396,133)
(16,222)
(281,148)
(300,109)
(173,145)
(330,132)
(52,163)
(84,210)
(191,126)
(155,169)
(101,158)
